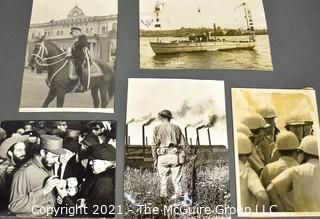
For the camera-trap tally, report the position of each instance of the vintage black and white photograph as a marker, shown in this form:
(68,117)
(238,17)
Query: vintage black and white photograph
(70,56)
(57,168)
(176,149)
(204,34)
(276,135)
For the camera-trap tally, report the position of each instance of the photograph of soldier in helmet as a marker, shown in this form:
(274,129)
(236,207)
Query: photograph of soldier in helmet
(70,56)
(276,134)
(176,148)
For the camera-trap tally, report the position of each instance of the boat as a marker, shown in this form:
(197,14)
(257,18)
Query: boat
(206,42)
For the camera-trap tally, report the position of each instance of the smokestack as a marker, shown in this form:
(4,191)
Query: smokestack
(198,139)
(209,137)
(186,133)
(127,135)
(143,135)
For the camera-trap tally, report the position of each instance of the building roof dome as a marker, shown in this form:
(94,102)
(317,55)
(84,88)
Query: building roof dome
(76,12)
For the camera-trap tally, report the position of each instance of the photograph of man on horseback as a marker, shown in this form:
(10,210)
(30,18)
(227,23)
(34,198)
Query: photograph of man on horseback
(74,56)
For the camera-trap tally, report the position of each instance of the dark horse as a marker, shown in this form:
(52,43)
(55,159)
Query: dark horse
(46,53)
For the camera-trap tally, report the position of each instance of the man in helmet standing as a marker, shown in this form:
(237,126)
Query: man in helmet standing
(308,124)
(254,160)
(295,124)
(297,188)
(269,115)
(168,152)
(79,54)
(287,144)
(252,193)
(257,125)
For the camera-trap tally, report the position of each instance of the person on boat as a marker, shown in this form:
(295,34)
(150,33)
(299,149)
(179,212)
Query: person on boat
(79,53)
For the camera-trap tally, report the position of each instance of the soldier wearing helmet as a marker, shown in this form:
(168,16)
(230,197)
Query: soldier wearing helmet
(295,124)
(168,152)
(269,115)
(254,160)
(253,195)
(297,188)
(287,144)
(308,123)
(258,126)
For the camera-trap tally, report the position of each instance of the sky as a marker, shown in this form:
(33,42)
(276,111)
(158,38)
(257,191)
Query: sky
(284,102)
(147,97)
(46,10)
(219,11)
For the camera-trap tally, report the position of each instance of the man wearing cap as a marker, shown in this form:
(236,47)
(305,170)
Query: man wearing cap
(169,145)
(60,129)
(100,130)
(99,189)
(79,53)
(253,195)
(258,126)
(287,144)
(13,156)
(297,188)
(33,184)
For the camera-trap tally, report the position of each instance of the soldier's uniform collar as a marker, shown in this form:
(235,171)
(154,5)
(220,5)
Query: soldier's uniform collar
(38,163)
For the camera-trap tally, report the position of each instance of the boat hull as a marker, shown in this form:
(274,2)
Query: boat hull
(180,47)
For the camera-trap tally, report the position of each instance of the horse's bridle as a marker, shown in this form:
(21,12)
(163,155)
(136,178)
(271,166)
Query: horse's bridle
(40,59)
(40,55)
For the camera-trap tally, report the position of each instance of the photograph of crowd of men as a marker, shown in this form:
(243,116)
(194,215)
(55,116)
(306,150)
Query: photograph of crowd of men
(276,145)
(48,165)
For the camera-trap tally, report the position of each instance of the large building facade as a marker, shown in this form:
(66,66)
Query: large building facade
(100,30)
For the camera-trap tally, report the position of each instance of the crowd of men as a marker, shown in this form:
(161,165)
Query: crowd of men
(278,168)
(45,165)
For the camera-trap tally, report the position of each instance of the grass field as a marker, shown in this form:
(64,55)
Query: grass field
(141,186)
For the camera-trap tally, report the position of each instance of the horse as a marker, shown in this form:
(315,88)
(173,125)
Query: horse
(46,53)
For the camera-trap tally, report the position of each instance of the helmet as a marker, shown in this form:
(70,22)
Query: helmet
(307,117)
(166,113)
(254,121)
(309,145)
(244,144)
(287,141)
(294,119)
(244,129)
(267,112)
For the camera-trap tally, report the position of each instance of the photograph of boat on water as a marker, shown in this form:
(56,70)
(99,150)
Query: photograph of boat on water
(276,145)
(204,34)
(70,57)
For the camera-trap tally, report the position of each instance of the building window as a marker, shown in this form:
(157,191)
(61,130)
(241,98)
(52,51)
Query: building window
(33,36)
(61,32)
(58,32)
(103,30)
(91,30)
(87,30)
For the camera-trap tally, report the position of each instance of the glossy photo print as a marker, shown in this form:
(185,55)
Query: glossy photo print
(70,56)
(276,141)
(204,34)
(177,161)
(57,169)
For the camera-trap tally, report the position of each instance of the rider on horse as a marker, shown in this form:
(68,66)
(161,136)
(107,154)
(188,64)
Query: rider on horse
(79,53)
